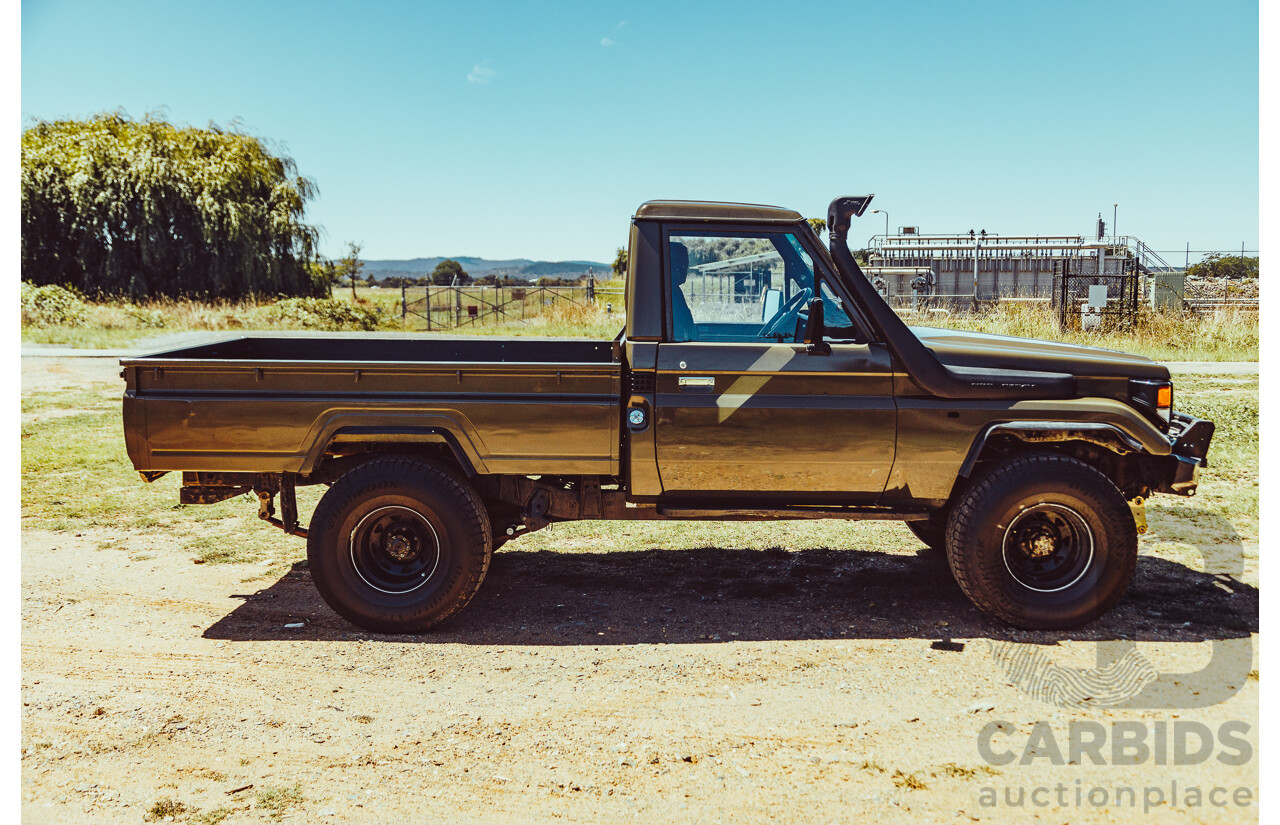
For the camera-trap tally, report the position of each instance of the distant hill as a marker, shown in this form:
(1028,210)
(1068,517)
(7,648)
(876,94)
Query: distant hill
(521,268)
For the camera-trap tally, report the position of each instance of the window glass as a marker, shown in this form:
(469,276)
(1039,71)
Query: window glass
(748,287)
(835,319)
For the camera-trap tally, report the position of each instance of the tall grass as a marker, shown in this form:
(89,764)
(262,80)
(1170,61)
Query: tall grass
(560,320)
(120,323)
(1225,335)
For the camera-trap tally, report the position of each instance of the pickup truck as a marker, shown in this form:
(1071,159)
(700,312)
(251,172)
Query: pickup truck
(759,375)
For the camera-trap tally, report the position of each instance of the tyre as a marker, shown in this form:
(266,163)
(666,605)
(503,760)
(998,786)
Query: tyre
(933,532)
(1043,542)
(398,545)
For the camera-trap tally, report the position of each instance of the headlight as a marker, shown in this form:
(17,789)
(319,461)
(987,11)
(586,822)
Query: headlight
(1153,397)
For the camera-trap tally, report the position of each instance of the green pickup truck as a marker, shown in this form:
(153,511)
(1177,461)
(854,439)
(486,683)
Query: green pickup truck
(759,376)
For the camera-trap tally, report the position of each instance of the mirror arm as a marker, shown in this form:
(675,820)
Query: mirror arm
(814,343)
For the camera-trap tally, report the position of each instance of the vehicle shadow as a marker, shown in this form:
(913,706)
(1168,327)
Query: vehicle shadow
(724,594)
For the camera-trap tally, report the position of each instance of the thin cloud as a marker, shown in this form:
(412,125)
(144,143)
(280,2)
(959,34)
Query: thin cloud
(482,74)
(609,41)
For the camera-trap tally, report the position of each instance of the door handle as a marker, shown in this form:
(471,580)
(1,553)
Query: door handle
(706,382)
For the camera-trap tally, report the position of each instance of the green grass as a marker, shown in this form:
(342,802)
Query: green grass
(275,801)
(86,337)
(1218,527)
(77,476)
(166,808)
(220,550)
(213,817)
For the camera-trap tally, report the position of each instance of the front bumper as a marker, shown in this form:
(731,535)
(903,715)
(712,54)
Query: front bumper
(1179,472)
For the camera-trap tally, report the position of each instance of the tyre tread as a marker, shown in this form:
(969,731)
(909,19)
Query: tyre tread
(967,567)
(391,472)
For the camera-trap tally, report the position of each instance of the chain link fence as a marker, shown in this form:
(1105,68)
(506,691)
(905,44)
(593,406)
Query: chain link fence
(1088,299)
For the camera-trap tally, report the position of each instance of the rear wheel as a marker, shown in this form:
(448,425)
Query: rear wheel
(1043,542)
(398,545)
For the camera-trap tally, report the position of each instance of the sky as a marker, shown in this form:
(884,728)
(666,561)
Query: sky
(507,130)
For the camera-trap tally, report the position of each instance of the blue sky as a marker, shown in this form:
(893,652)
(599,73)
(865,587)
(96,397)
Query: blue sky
(534,130)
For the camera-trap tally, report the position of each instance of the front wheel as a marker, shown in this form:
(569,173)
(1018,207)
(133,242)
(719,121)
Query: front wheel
(398,545)
(1043,542)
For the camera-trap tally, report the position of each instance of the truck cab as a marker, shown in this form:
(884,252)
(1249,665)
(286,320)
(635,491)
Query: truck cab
(727,403)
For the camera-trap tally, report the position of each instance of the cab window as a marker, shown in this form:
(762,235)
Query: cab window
(743,287)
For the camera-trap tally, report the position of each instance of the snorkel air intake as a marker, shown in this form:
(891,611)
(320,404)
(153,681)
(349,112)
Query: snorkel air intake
(913,357)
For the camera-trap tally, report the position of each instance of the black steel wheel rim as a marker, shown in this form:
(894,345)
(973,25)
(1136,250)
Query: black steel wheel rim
(394,549)
(1048,547)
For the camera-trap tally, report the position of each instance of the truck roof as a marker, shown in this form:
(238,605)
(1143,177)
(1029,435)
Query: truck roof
(715,211)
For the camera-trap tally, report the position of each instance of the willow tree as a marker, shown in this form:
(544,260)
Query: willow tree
(117,207)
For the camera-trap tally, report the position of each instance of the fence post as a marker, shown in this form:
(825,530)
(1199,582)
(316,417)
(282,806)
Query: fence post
(457,307)
(404,308)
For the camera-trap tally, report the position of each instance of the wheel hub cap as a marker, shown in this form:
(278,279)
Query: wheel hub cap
(401,547)
(1048,547)
(394,549)
(1041,546)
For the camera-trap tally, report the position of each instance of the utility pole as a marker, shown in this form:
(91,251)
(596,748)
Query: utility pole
(977,247)
(886,222)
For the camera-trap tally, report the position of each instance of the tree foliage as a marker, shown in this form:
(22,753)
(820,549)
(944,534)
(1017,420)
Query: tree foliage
(447,271)
(819,225)
(350,266)
(113,206)
(711,250)
(1224,266)
(620,263)
(51,306)
(324,275)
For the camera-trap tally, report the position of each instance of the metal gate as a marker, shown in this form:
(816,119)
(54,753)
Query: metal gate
(1089,299)
(451,307)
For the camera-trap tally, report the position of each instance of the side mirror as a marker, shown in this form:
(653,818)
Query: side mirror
(770,303)
(814,345)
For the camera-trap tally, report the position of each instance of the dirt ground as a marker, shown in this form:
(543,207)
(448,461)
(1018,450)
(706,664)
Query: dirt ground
(700,685)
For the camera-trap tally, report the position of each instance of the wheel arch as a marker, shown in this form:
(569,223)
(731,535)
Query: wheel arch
(349,446)
(1116,453)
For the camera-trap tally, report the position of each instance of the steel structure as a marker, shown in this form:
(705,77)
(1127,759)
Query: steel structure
(973,267)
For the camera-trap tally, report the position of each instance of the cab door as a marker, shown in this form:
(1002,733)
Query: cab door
(772,419)
(742,410)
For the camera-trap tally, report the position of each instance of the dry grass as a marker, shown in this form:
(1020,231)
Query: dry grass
(1225,335)
(562,320)
(121,323)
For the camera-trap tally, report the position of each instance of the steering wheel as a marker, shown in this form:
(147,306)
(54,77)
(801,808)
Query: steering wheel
(787,316)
